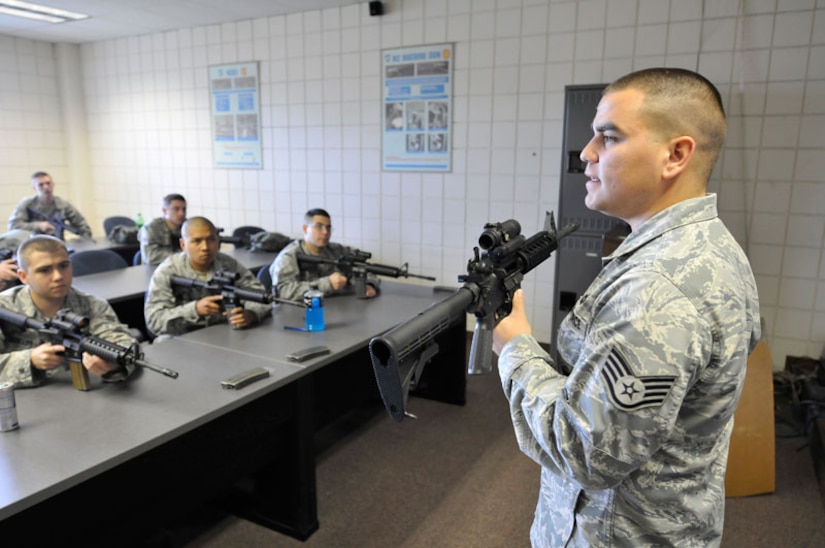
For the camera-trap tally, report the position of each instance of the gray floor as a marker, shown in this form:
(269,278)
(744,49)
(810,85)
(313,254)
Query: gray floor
(455,478)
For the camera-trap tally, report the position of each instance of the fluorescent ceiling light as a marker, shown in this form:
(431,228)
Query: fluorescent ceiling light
(38,12)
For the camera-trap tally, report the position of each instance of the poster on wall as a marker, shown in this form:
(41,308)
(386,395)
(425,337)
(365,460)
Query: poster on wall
(417,107)
(236,116)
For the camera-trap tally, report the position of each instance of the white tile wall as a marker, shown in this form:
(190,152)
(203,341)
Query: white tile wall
(31,133)
(148,108)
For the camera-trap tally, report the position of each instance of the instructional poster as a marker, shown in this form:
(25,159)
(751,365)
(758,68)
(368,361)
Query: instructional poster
(417,108)
(236,116)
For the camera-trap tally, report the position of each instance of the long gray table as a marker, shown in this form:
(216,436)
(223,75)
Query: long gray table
(134,452)
(344,378)
(154,446)
(273,339)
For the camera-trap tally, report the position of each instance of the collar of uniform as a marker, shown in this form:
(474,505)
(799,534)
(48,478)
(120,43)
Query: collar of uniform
(684,213)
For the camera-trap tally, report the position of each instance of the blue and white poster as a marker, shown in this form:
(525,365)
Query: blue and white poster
(417,107)
(236,116)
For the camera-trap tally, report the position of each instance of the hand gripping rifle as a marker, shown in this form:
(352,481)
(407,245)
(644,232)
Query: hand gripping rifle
(399,356)
(59,224)
(70,330)
(353,264)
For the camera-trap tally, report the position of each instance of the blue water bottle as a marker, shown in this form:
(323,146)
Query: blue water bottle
(314,301)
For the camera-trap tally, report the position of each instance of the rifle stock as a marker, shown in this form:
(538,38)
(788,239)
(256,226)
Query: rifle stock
(399,356)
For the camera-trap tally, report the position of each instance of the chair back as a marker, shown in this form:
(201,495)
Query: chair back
(265,278)
(137,260)
(110,222)
(243,233)
(93,261)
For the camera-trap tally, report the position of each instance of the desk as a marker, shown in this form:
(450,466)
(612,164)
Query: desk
(351,382)
(154,447)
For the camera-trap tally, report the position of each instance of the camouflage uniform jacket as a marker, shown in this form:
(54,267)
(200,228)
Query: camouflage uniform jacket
(158,241)
(16,343)
(293,280)
(632,429)
(170,308)
(22,218)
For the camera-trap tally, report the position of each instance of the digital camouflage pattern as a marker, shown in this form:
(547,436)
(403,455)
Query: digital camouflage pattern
(170,309)
(23,219)
(16,343)
(158,241)
(293,280)
(632,430)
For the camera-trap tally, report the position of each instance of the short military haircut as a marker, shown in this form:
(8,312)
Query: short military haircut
(680,102)
(314,212)
(197,222)
(40,242)
(169,198)
(38,174)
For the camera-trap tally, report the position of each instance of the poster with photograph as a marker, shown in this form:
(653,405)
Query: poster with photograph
(417,101)
(236,115)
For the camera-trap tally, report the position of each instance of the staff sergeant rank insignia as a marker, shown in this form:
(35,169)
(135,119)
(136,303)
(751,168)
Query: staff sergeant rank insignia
(629,392)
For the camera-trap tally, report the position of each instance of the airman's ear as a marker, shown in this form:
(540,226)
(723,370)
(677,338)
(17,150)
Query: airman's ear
(681,151)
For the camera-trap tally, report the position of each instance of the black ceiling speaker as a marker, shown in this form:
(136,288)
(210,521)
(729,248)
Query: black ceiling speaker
(376,8)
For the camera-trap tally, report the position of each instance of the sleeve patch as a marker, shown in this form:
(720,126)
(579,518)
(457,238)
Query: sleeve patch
(630,392)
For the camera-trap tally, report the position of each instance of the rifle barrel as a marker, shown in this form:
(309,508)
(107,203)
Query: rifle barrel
(157,369)
(421,277)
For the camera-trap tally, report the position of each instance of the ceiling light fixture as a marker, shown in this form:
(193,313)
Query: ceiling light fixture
(39,12)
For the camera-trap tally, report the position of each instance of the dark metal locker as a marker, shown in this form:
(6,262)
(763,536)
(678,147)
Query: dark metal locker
(578,259)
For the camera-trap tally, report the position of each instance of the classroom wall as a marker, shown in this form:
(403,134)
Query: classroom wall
(31,125)
(149,128)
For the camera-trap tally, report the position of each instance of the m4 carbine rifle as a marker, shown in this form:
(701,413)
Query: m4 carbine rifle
(353,264)
(399,356)
(70,330)
(59,224)
(224,283)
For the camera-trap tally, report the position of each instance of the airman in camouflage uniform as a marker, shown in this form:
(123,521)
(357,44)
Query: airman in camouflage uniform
(51,206)
(27,358)
(632,427)
(292,279)
(172,310)
(161,237)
